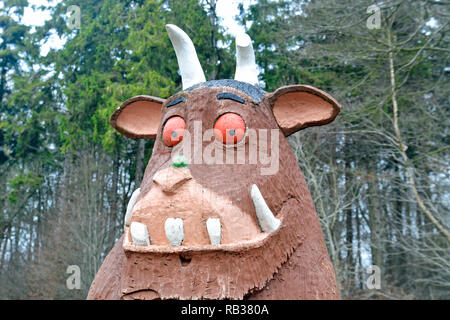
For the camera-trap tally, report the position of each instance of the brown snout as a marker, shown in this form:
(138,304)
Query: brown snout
(175,194)
(171,178)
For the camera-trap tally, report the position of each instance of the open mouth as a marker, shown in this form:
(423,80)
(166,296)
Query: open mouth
(211,232)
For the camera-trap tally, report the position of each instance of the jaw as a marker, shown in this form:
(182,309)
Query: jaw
(226,271)
(252,248)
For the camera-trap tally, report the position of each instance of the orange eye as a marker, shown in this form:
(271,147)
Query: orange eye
(229,128)
(173,131)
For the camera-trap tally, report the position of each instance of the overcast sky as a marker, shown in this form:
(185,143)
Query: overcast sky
(226,9)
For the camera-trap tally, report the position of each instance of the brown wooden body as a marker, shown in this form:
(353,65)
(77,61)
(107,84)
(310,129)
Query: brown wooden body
(290,263)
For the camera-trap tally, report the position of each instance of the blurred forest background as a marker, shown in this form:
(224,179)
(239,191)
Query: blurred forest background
(379,174)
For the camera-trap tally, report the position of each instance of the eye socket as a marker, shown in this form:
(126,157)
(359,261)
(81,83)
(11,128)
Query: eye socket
(173,131)
(229,128)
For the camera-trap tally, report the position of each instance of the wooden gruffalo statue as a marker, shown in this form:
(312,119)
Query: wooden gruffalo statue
(215,216)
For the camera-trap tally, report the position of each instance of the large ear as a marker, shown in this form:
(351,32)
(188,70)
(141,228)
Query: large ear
(138,117)
(297,107)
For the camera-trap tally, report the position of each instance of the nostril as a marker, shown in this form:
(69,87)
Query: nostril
(185,260)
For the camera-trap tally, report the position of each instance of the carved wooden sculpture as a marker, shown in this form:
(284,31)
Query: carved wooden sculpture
(228,229)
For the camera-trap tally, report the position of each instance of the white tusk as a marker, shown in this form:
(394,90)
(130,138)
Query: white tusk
(190,68)
(139,234)
(214,231)
(174,231)
(130,205)
(246,69)
(266,219)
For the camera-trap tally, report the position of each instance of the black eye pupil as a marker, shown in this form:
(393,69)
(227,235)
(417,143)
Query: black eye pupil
(232,132)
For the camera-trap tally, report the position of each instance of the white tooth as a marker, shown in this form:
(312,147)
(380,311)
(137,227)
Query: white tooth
(139,234)
(266,219)
(174,231)
(130,205)
(214,231)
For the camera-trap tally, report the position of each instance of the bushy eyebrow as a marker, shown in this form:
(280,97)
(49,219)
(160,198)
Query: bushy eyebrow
(230,96)
(176,101)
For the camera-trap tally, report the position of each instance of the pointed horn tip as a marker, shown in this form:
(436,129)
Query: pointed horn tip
(254,190)
(176,31)
(243,40)
(171,27)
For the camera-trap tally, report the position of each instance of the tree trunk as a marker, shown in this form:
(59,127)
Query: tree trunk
(401,146)
(375,223)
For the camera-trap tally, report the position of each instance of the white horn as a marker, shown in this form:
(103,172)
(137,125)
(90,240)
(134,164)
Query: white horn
(190,68)
(246,70)
(266,219)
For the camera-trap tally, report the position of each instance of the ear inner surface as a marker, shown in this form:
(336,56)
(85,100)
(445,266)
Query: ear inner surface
(298,107)
(138,117)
